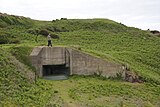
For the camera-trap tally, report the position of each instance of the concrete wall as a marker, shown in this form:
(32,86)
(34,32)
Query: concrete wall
(85,64)
(47,56)
(36,60)
(79,63)
(53,56)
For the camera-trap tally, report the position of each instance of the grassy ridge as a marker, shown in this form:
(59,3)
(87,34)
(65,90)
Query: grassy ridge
(6,20)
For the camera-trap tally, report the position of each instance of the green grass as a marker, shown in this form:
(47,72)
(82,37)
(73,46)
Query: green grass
(100,37)
(96,91)
(140,52)
(17,84)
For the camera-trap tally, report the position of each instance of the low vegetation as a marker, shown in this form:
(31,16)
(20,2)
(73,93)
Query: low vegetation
(100,37)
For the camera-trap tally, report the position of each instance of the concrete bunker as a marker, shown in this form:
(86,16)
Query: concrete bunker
(51,61)
(54,70)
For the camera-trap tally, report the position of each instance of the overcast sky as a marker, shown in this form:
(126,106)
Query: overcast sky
(144,14)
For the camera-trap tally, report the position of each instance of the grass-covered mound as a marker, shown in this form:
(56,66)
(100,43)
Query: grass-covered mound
(17,80)
(100,37)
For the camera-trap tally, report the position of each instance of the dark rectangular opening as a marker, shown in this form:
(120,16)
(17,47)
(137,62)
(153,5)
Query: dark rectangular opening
(51,70)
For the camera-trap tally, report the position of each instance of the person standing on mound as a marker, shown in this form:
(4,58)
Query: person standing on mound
(49,40)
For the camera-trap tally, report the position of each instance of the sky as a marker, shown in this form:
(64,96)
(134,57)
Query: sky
(143,14)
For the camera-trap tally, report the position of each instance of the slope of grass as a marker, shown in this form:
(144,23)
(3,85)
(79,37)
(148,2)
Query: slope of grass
(11,77)
(99,92)
(17,82)
(139,51)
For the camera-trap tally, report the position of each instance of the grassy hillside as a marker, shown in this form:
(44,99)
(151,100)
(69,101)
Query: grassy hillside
(100,37)
(110,40)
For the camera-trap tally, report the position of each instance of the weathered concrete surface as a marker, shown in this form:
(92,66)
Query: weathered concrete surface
(53,56)
(35,58)
(47,56)
(78,62)
(85,64)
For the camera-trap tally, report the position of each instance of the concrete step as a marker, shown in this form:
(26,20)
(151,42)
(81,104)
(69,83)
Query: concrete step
(56,77)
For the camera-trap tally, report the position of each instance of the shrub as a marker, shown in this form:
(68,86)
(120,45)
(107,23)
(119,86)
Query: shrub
(56,29)
(54,36)
(63,18)
(53,20)
(3,39)
(44,32)
(33,31)
(51,28)
(64,29)
(7,38)
(15,41)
